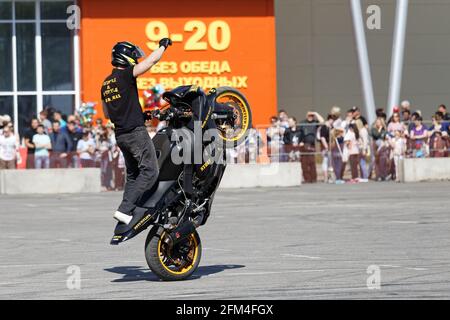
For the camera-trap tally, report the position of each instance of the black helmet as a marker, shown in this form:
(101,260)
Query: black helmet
(125,54)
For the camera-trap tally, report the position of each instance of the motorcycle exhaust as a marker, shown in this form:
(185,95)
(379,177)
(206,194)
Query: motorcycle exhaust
(181,232)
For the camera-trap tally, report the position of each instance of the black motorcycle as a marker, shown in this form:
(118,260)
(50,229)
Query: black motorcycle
(181,200)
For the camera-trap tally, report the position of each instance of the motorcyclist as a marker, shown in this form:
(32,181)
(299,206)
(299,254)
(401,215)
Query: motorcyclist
(121,104)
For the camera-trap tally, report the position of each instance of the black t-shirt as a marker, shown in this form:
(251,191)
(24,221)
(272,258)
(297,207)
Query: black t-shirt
(29,133)
(325,133)
(309,131)
(75,137)
(293,135)
(120,95)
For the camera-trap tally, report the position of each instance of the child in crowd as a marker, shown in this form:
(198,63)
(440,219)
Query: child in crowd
(398,145)
(42,145)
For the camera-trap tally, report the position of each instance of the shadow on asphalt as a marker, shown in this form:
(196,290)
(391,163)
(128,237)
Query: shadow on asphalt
(138,273)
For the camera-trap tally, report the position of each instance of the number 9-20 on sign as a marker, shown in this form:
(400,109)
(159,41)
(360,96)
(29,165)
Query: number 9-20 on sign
(216,35)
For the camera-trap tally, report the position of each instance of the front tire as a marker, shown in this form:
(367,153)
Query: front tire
(177,263)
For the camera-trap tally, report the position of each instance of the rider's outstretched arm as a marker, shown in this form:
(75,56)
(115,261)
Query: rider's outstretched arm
(152,59)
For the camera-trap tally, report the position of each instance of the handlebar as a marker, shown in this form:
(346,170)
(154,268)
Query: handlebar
(168,114)
(220,112)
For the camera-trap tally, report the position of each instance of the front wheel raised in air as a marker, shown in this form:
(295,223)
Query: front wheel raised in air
(171,263)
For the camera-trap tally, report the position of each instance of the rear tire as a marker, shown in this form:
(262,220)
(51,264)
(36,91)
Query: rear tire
(154,251)
(242,110)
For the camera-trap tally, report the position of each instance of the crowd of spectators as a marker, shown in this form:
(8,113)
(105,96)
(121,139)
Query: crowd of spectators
(333,144)
(54,140)
(369,151)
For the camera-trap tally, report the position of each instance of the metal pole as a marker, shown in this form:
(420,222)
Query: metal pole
(398,49)
(363,57)
(77,64)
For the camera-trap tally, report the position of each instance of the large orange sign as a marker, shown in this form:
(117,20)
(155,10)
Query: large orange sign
(215,43)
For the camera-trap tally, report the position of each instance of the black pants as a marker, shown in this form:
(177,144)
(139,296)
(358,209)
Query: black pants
(141,163)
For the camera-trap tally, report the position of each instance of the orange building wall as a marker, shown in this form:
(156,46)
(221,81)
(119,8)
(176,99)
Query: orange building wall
(248,61)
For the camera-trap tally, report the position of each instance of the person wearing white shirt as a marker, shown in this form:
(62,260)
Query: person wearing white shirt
(42,144)
(398,145)
(86,151)
(8,149)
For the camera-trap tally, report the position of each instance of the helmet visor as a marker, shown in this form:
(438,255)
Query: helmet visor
(138,53)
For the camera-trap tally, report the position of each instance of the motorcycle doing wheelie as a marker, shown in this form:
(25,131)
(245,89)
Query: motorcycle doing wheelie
(198,123)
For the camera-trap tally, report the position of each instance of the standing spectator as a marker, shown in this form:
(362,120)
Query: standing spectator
(42,145)
(111,134)
(395,124)
(406,116)
(337,155)
(275,134)
(324,138)
(292,139)
(348,119)
(384,158)
(308,150)
(284,118)
(61,146)
(104,148)
(364,154)
(119,169)
(250,150)
(438,136)
(57,116)
(398,146)
(360,121)
(98,128)
(43,119)
(378,134)
(445,114)
(8,148)
(28,138)
(381,114)
(71,118)
(86,151)
(418,135)
(75,135)
(336,113)
(351,146)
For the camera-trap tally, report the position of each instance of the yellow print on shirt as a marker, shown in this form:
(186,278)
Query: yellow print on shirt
(112,92)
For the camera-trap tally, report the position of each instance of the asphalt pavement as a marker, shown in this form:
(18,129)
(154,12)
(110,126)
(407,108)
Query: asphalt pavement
(363,241)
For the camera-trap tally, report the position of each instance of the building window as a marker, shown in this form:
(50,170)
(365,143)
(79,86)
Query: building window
(26,57)
(26,111)
(37,59)
(63,103)
(57,57)
(5,57)
(7,106)
(5,10)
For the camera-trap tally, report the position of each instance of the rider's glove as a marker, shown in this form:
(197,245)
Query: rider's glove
(165,42)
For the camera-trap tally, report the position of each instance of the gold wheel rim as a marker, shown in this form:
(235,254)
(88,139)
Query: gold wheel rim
(163,258)
(244,112)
